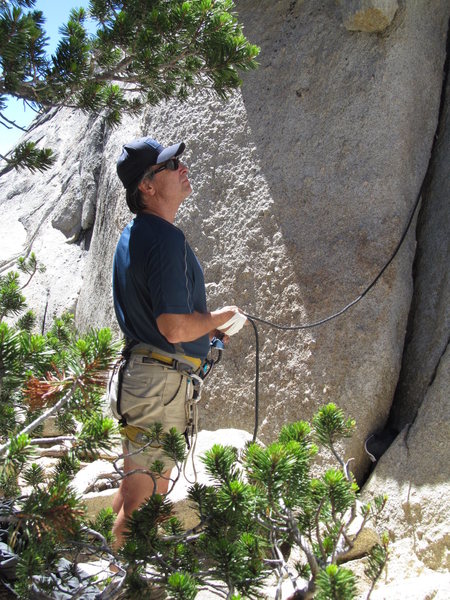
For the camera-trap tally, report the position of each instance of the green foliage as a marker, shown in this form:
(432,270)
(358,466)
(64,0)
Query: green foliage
(28,156)
(34,475)
(12,301)
(181,586)
(174,445)
(37,373)
(377,560)
(51,512)
(27,321)
(103,523)
(154,51)
(18,453)
(257,503)
(219,462)
(67,465)
(335,583)
(96,435)
(330,425)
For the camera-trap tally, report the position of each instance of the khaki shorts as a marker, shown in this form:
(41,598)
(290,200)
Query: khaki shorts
(152,393)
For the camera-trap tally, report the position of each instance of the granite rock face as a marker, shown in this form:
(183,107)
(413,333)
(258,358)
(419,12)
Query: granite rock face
(428,329)
(52,213)
(303,184)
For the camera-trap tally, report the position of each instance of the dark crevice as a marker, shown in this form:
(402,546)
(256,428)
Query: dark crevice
(433,375)
(84,238)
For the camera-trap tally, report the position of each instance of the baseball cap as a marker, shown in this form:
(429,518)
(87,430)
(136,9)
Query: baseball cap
(139,155)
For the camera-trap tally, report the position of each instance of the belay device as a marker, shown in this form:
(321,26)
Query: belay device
(216,348)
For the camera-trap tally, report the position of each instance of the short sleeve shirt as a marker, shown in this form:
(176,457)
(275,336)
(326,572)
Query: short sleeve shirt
(155,271)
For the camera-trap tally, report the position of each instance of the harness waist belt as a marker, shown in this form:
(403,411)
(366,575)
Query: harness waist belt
(167,359)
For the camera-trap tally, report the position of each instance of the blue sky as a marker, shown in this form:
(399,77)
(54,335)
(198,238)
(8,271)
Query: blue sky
(56,13)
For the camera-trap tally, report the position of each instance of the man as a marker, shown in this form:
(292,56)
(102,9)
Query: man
(160,303)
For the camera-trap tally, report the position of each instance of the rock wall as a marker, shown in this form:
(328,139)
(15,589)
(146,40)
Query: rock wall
(303,183)
(52,213)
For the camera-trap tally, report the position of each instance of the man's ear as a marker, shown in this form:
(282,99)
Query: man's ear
(146,187)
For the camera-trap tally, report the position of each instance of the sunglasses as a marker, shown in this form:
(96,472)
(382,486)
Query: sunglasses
(172,164)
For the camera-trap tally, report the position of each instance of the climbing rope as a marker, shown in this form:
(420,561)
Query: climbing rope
(253,319)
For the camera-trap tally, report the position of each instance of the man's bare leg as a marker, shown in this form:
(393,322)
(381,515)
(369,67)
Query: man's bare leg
(134,490)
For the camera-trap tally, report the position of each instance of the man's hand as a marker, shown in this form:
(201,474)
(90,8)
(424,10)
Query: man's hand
(234,325)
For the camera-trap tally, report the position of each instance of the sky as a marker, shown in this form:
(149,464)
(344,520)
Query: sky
(56,13)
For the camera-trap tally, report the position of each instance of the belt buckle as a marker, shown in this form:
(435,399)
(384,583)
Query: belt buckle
(182,367)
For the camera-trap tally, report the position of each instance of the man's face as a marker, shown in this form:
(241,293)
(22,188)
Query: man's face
(170,183)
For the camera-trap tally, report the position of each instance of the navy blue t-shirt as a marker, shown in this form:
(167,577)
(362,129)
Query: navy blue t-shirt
(155,272)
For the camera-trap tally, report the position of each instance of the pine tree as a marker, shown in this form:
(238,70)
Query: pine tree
(143,51)
(40,375)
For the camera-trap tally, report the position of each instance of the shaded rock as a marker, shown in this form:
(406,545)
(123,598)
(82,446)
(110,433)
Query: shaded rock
(378,442)
(97,501)
(363,544)
(50,428)
(429,319)
(415,474)
(368,15)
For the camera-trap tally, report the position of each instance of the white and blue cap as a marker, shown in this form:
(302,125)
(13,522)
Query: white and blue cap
(139,155)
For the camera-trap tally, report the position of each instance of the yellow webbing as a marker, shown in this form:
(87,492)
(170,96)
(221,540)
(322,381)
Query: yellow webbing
(197,362)
(137,435)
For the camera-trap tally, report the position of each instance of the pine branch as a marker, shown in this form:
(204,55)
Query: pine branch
(303,545)
(12,123)
(52,440)
(40,420)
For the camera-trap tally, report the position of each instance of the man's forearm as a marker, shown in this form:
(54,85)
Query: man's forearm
(188,327)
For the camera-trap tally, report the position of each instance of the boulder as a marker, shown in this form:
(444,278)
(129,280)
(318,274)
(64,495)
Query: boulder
(303,184)
(415,474)
(90,474)
(426,586)
(97,501)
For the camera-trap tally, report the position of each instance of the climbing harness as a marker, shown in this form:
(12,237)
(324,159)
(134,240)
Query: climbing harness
(253,319)
(194,369)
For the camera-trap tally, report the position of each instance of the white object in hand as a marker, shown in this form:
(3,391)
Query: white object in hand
(235,324)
